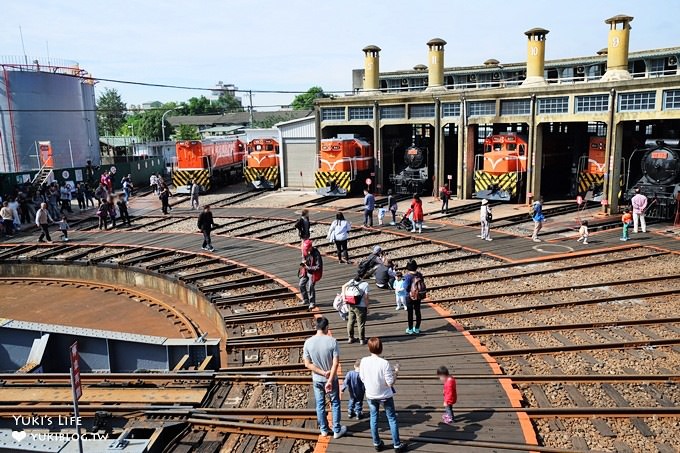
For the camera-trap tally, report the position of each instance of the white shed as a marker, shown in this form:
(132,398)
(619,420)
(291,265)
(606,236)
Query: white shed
(298,152)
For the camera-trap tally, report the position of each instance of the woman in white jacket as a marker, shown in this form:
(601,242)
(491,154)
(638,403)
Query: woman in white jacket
(338,232)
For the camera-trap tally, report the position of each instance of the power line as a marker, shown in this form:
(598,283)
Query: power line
(183,87)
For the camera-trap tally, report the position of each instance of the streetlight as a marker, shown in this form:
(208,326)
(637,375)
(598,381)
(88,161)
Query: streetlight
(163,120)
(132,136)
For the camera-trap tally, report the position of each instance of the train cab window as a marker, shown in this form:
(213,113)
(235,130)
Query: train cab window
(521,150)
(269,148)
(487,148)
(511,146)
(497,147)
(357,152)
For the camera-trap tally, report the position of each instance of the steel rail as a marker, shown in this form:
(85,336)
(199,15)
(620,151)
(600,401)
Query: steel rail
(577,326)
(256,429)
(585,347)
(523,308)
(525,292)
(545,271)
(549,259)
(524,379)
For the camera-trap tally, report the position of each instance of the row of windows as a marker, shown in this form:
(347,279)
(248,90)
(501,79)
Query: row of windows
(482,108)
(553,105)
(421,111)
(392,112)
(627,102)
(361,113)
(516,107)
(671,99)
(332,113)
(451,109)
(592,103)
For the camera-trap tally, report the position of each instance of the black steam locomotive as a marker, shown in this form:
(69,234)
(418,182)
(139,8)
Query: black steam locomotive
(415,177)
(660,180)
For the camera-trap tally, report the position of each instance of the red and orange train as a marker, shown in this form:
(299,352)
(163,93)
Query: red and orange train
(214,162)
(344,164)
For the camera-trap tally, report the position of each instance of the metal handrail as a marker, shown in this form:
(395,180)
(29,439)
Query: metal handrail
(40,172)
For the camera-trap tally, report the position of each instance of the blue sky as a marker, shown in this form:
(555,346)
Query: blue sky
(294,44)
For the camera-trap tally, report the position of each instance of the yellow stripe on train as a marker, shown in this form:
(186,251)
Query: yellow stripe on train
(184,177)
(508,182)
(270,174)
(323,178)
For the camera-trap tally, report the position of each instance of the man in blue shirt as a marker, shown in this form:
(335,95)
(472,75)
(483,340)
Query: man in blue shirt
(369,206)
(538,217)
(321,356)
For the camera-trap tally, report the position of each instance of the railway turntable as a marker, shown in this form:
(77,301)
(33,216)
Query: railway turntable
(529,335)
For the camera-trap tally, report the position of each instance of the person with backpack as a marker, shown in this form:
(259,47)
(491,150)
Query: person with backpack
(338,233)
(444,196)
(485,217)
(310,272)
(369,265)
(417,210)
(392,206)
(303,227)
(537,216)
(355,293)
(417,291)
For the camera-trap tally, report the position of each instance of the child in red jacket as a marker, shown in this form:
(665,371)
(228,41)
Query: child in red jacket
(450,393)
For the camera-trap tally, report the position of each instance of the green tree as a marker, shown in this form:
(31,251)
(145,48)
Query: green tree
(146,124)
(228,103)
(305,101)
(110,112)
(187,132)
(199,106)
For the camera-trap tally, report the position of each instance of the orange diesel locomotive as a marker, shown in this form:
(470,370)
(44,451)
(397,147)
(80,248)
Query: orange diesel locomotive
(207,162)
(591,168)
(344,164)
(262,163)
(500,172)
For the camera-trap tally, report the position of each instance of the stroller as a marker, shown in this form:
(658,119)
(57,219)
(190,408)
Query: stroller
(405,224)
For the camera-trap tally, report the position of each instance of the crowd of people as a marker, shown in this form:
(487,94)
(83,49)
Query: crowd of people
(372,378)
(52,202)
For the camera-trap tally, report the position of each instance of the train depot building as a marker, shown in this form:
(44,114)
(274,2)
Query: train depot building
(543,118)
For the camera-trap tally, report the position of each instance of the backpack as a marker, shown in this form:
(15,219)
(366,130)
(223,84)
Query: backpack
(418,290)
(353,294)
(366,264)
(316,258)
(489,216)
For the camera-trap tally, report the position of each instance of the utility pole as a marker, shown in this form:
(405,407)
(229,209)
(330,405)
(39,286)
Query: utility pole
(250,107)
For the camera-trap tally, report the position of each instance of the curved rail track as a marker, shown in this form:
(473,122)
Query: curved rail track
(591,341)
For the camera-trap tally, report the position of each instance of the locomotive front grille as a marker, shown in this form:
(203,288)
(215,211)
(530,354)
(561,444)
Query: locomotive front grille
(184,177)
(270,174)
(324,178)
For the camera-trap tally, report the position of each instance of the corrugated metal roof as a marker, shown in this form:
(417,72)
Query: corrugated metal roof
(119,141)
(300,128)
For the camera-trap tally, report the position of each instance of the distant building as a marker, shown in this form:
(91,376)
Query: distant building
(221,88)
(151,105)
(231,123)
